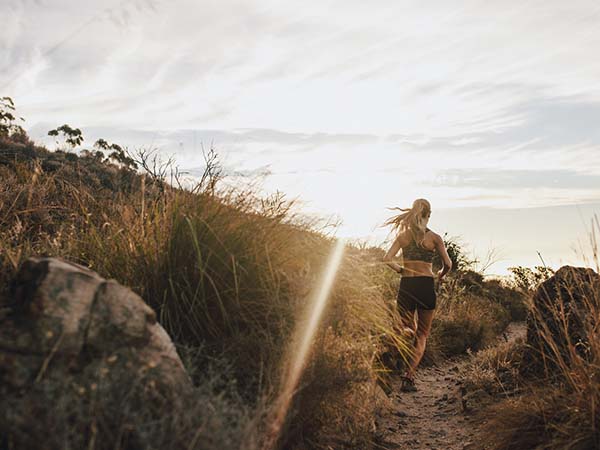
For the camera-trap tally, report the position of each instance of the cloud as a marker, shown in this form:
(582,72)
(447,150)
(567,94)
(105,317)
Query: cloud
(335,67)
(518,179)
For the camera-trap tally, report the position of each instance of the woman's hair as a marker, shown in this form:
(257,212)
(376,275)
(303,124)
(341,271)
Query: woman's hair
(413,219)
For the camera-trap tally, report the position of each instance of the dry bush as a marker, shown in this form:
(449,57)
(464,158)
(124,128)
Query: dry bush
(492,374)
(552,418)
(471,313)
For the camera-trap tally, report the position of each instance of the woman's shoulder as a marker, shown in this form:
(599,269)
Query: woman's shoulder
(404,237)
(430,232)
(434,235)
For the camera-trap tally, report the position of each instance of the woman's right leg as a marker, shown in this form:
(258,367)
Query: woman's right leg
(408,323)
(406,308)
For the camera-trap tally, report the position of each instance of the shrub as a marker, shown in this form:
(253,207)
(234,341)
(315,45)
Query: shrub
(527,279)
(467,323)
(471,312)
(460,260)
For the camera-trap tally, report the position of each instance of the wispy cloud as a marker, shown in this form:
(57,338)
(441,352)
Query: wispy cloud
(518,179)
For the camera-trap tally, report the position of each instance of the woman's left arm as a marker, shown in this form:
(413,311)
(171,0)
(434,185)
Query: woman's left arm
(446,261)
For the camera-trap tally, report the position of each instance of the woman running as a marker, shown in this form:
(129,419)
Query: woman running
(417,292)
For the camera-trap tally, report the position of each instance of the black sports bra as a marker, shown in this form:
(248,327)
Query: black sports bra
(413,252)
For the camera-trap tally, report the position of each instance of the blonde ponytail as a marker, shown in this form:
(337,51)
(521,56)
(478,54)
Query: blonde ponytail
(414,219)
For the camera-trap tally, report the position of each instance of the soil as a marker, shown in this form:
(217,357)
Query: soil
(436,416)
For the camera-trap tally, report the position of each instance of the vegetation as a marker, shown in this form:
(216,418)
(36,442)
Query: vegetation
(527,279)
(554,405)
(8,121)
(471,312)
(229,275)
(73,136)
(460,260)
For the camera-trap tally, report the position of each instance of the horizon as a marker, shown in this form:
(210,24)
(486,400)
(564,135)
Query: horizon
(350,108)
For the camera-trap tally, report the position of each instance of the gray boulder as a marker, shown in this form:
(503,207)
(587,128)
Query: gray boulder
(70,340)
(559,321)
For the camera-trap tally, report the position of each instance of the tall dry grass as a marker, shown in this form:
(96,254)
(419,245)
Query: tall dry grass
(228,274)
(554,384)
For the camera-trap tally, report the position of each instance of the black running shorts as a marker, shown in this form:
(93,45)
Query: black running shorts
(416,293)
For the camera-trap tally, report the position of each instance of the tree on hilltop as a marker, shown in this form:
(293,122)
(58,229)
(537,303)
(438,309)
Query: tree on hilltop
(8,125)
(73,136)
(117,153)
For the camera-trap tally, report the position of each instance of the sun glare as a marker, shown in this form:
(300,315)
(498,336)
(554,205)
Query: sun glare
(299,351)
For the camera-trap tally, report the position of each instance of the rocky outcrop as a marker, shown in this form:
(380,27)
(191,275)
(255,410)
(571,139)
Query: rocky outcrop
(69,340)
(558,324)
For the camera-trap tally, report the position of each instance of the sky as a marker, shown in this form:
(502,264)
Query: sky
(488,109)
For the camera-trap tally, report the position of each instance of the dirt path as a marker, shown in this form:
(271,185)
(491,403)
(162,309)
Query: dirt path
(434,417)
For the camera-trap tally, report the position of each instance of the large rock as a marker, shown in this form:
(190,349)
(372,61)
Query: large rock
(70,337)
(559,321)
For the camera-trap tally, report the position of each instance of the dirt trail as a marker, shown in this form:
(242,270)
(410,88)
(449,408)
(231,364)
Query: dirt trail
(434,417)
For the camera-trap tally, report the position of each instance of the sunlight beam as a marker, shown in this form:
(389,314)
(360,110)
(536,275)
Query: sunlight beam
(301,346)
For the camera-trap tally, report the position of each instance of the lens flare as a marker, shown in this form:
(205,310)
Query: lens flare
(300,350)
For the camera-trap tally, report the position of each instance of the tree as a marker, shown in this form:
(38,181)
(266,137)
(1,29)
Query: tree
(8,127)
(73,136)
(117,153)
(526,279)
(457,254)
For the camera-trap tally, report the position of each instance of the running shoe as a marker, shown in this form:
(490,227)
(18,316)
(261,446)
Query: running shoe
(408,385)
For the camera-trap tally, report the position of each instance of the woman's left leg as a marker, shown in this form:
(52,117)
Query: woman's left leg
(424,320)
